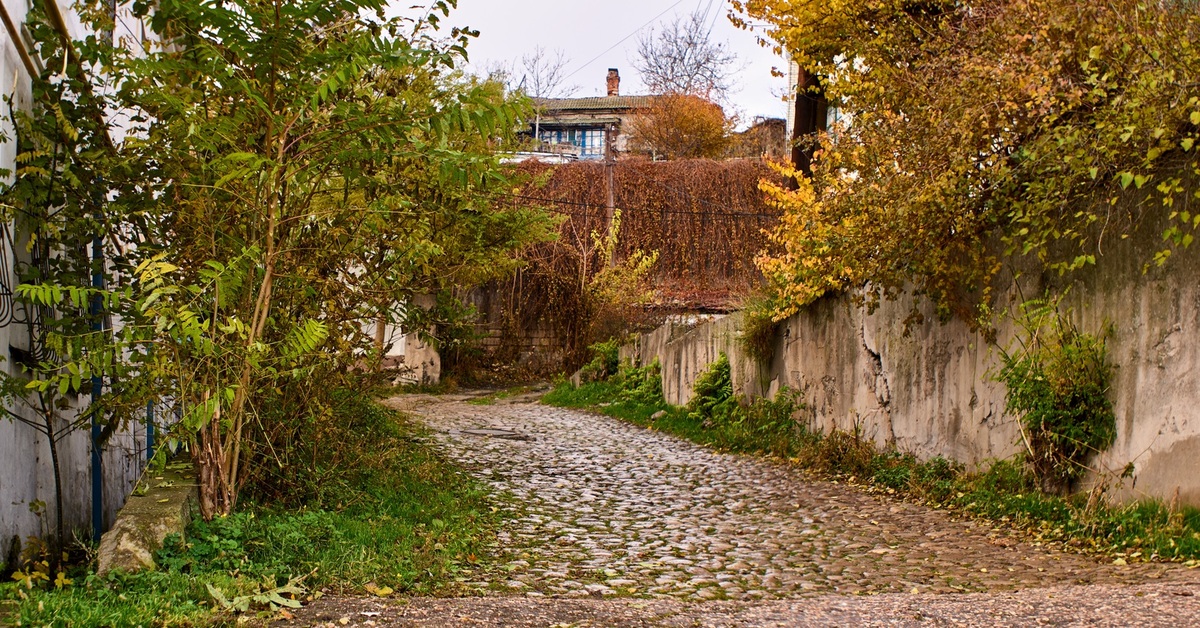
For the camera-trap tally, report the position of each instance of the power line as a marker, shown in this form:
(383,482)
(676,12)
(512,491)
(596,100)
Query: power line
(716,16)
(732,214)
(622,40)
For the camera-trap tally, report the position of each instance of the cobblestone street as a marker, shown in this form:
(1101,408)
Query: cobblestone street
(603,509)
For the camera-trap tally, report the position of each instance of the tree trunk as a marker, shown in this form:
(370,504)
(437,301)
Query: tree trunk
(60,530)
(217,494)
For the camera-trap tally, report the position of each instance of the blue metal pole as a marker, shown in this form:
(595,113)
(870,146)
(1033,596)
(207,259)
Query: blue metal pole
(149,431)
(97,389)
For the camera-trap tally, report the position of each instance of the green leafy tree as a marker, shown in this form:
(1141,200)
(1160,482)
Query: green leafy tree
(295,170)
(69,198)
(319,163)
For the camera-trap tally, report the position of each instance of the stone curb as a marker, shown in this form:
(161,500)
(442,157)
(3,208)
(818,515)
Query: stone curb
(160,505)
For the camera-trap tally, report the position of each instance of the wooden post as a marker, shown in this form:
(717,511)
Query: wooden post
(610,202)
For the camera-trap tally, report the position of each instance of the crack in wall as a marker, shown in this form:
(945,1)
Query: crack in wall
(877,381)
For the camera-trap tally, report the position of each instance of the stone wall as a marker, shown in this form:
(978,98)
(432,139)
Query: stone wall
(928,388)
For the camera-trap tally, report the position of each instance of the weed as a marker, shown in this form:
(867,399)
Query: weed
(605,360)
(1058,382)
(757,337)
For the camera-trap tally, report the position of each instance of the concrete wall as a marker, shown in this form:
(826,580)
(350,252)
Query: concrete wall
(25,472)
(929,388)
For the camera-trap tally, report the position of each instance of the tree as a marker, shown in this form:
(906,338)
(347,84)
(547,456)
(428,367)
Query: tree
(682,59)
(680,126)
(1042,126)
(61,201)
(543,76)
(295,168)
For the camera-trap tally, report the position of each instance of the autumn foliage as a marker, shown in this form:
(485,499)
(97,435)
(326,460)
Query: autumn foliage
(983,129)
(680,126)
(705,219)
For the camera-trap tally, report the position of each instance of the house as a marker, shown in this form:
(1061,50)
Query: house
(585,123)
(767,138)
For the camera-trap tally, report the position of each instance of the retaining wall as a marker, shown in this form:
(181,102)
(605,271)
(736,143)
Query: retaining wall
(928,388)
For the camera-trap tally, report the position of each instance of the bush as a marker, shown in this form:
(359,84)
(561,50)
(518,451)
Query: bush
(1059,384)
(713,394)
(605,361)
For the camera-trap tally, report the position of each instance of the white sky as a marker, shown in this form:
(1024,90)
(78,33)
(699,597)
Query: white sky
(585,29)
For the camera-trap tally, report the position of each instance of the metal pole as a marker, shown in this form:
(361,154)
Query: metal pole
(97,389)
(149,432)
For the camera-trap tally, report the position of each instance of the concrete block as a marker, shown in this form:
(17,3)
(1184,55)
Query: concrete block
(160,506)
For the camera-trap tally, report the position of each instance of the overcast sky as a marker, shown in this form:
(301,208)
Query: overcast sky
(585,30)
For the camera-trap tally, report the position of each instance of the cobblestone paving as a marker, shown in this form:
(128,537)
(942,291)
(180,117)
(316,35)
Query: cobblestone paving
(605,508)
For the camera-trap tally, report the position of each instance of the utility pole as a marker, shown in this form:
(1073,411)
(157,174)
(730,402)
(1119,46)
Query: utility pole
(811,110)
(609,164)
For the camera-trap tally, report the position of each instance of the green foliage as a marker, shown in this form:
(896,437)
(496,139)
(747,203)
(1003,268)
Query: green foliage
(1058,381)
(292,171)
(757,337)
(605,360)
(713,397)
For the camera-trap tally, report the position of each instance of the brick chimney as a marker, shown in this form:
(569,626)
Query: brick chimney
(614,82)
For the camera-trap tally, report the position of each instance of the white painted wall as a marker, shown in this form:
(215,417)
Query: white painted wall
(25,471)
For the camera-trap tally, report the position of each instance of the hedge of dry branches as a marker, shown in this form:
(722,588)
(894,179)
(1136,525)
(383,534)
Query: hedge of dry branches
(706,219)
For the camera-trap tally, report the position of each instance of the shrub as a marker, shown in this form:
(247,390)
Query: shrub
(1058,382)
(758,328)
(605,361)
(713,398)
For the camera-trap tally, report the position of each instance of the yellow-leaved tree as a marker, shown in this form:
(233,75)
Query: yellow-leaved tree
(978,130)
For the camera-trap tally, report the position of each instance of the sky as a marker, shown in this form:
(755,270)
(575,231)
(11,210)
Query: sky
(597,35)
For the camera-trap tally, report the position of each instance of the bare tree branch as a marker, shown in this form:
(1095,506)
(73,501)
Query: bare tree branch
(543,75)
(682,59)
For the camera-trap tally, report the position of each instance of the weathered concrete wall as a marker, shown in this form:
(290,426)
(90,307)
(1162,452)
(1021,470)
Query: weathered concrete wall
(929,388)
(163,506)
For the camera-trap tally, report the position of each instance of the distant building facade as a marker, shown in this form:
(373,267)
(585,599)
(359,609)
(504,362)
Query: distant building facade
(767,138)
(582,126)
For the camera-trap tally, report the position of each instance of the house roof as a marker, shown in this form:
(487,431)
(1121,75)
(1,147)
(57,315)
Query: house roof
(596,103)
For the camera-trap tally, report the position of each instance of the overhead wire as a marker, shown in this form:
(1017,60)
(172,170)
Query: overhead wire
(623,39)
(649,210)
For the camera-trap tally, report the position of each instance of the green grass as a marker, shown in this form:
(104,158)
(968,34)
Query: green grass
(1006,492)
(406,520)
